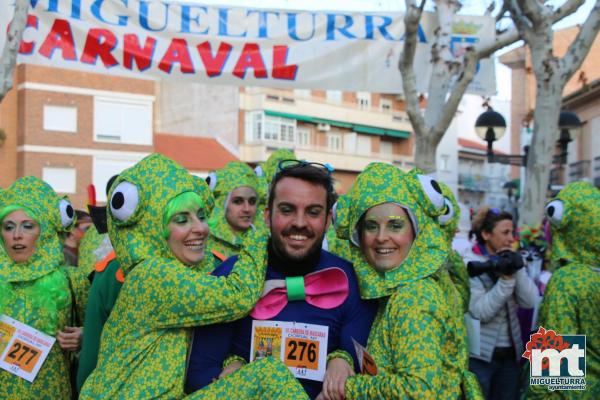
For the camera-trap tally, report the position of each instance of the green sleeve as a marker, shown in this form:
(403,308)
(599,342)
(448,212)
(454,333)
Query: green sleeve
(201,299)
(103,294)
(80,286)
(411,338)
(460,278)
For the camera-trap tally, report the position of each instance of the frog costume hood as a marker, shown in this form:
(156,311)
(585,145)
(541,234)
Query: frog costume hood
(48,291)
(234,175)
(451,217)
(574,216)
(137,200)
(54,214)
(422,198)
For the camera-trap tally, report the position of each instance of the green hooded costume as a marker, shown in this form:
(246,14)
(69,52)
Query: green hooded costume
(40,292)
(94,247)
(571,303)
(145,340)
(418,337)
(224,240)
(456,266)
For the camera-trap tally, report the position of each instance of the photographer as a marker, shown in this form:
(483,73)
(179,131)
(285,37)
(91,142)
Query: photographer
(499,285)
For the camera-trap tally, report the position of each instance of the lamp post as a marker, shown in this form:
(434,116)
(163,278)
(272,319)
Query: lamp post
(510,187)
(491,125)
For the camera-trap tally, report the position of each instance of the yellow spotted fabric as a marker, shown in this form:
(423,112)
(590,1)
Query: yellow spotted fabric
(37,292)
(455,264)
(92,248)
(267,378)
(234,175)
(571,303)
(145,340)
(418,337)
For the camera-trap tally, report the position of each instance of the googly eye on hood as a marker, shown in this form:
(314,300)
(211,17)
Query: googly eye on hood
(124,201)
(554,212)
(212,180)
(67,213)
(575,222)
(446,218)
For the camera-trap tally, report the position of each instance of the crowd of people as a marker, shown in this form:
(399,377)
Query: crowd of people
(267,284)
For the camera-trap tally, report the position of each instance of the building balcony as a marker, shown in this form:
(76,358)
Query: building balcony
(474,183)
(580,170)
(317,108)
(257,151)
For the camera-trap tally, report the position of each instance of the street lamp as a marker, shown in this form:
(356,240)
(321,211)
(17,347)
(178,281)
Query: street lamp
(490,126)
(570,126)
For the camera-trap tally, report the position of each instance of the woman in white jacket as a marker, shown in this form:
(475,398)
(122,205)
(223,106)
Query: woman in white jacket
(495,297)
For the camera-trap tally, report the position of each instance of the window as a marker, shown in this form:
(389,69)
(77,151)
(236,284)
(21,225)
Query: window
(386,148)
(62,119)
(350,143)
(363,145)
(334,142)
(364,100)
(103,169)
(385,105)
(123,121)
(62,180)
(305,93)
(303,138)
(444,162)
(334,96)
(269,128)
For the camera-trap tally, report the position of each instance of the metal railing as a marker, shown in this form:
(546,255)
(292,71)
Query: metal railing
(474,182)
(579,170)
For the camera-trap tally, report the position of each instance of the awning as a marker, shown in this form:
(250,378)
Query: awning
(372,130)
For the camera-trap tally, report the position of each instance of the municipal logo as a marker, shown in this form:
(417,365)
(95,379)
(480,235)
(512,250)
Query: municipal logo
(556,361)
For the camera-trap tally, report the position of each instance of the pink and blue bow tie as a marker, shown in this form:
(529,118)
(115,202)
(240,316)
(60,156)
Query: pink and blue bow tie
(325,289)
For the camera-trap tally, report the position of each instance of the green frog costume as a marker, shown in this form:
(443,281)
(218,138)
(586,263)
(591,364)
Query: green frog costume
(224,240)
(40,292)
(456,266)
(571,303)
(418,337)
(145,340)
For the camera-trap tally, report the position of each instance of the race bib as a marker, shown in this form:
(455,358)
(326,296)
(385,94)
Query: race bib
(23,349)
(301,347)
(367,363)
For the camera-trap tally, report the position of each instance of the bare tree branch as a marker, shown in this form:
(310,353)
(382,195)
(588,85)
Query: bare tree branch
(579,48)
(458,90)
(11,47)
(411,26)
(568,8)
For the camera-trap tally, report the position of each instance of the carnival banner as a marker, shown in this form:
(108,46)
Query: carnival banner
(175,40)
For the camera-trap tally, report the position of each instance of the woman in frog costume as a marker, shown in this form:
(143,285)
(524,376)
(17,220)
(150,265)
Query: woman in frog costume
(235,188)
(418,338)
(35,287)
(145,340)
(571,303)
(456,266)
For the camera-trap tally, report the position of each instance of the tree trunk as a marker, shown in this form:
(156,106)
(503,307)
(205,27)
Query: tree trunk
(541,153)
(425,147)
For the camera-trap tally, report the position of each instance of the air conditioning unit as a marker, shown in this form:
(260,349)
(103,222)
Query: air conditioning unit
(323,127)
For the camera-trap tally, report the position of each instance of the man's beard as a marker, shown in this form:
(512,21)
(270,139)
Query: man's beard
(293,265)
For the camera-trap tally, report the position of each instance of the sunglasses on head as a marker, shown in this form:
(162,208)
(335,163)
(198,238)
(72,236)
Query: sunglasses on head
(291,164)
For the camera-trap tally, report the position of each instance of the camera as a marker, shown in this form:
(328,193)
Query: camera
(506,262)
